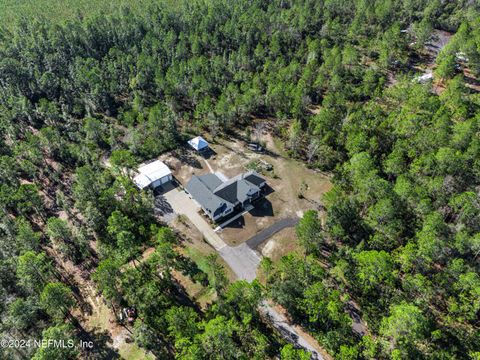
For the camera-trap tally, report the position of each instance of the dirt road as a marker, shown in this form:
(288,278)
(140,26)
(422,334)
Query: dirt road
(291,333)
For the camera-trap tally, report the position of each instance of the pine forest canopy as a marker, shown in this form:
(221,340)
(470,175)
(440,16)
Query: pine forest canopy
(85,81)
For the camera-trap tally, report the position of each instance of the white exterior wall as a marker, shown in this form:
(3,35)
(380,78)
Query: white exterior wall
(166,179)
(153,175)
(161,181)
(228,210)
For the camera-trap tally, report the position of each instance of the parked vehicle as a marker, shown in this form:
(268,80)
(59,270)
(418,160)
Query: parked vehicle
(255,147)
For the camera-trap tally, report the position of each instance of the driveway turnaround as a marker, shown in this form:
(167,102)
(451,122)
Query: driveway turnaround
(241,259)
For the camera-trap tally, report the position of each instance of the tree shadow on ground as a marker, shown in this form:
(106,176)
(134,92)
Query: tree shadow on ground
(100,340)
(161,206)
(208,153)
(189,268)
(189,159)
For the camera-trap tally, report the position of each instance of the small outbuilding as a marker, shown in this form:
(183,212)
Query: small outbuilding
(152,175)
(198,143)
(425,77)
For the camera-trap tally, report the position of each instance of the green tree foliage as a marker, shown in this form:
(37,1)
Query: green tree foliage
(325,308)
(57,299)
(468,304)
(290,353)
(309,232)
(182,323)
(107,276)
(24,313)
(63,238)
(348,353)
(401,236)
(392,47)
(374,269)
(241,300)
(423,32)
(59,333)
(446,67)
(93,196)
(26,238)
(27,201)
(405,325)
(34,270)
(122,161)
(216,273)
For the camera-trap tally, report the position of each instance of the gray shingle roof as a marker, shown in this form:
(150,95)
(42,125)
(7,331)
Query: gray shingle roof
(202,194)
(211,181)
(254,178)
(227,191)
(211,192)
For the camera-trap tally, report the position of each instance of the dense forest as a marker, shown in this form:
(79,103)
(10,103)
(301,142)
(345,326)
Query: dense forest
(401,233)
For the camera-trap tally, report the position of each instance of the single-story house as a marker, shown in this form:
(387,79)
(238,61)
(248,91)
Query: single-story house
(152,175)
(198,143)
(219,198)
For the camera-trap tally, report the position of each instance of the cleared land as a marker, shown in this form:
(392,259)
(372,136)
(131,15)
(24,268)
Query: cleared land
(282,243)
(287,180)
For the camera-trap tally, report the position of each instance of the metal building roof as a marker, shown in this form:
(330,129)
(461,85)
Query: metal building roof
(198,143)
(151,172)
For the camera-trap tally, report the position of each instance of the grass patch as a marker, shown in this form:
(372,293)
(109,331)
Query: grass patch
(100,317)
(131,351)
(198,258)
(201,294)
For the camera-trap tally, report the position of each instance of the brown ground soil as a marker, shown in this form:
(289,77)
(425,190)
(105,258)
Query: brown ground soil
(282,243)
(96,318)
(288,179)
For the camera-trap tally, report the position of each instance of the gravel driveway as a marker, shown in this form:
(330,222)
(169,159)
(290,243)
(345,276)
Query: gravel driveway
(281,323)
